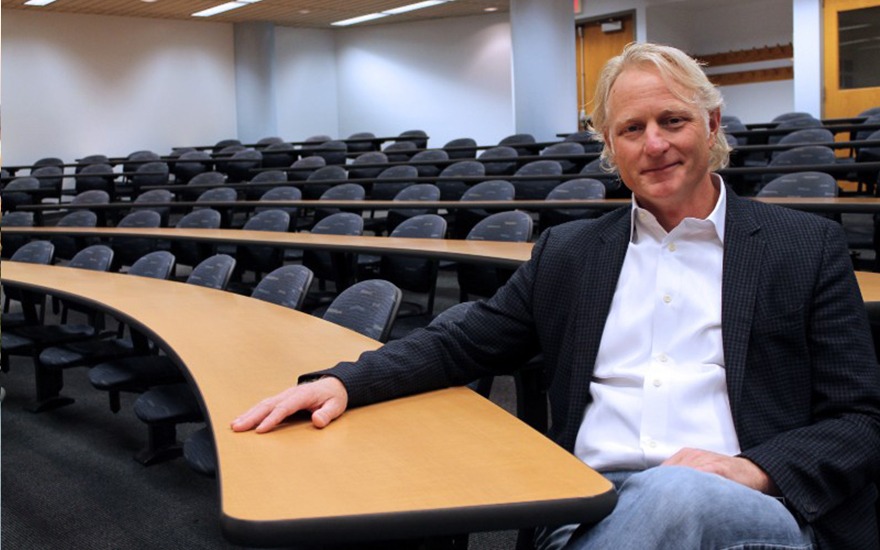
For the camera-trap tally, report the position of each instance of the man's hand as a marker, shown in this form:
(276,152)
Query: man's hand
(734,468)
(326,398)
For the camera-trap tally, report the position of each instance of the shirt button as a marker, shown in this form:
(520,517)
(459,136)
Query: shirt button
(662,357)
(667,298)
(652,444)
(671,247)
(657,382)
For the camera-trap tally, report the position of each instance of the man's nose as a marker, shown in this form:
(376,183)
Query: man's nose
(655,140)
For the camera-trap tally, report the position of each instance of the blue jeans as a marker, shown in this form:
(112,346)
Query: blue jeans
(682,508)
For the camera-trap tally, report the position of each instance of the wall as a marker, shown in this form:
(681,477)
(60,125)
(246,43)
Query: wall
(696,27)
(450,78)
(77,85)
(306,83)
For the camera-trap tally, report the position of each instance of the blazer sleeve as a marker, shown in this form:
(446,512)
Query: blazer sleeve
(831,449)
(496,336)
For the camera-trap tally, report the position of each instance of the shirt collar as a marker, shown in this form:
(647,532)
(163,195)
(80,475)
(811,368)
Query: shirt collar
(717,217)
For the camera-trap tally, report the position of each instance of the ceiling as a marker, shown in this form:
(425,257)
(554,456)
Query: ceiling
(288,13)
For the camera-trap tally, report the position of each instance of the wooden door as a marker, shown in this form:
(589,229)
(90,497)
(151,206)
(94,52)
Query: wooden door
(596,45)
(852,79)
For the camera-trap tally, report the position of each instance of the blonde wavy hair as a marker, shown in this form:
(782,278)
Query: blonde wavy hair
(674,66)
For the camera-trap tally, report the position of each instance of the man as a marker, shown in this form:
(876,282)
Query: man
(709,354)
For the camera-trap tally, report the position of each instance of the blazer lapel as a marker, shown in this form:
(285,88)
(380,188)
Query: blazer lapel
(743,250)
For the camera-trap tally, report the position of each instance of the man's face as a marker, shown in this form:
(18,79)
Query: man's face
(660,143)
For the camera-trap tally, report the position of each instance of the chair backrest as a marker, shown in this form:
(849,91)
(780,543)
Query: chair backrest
(88,160)
(399,151)
(281,194)
(269,220)
(50,177)
(95,176)
(790,116)
(213,272)
(78,218)
(345,192)
(800,156)
(268,176)
(507,166)
(203,218)
(208,178)
(357,170)
(359,146)
(421,159)
(49,161)
(491,190)
(141,218)
(368,307)
(392,180)
(143,155)
(794,123)
(95,196)
(17,219)
(334,152)
(801,184)
(521,140)
(224,143)
(217,194)
(35,252)
(155,195)
(341,223)
(512,226)
(566,148)
(537,189)
(278,155)
(452,189)
(15,193)
(423,226)
(461,148)
(156,265)
(286,286)
(305,166)
(589,140)
(865,134)
(191,163)
(158,173)
(97,257)
(576,189)
(23,183)
(419,137)
(419,192)
(326,173)
(242,162)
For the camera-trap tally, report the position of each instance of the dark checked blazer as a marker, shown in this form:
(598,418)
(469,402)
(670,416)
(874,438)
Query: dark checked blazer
(803,381)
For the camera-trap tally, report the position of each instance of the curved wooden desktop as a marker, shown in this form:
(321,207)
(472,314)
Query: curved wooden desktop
(444,462)
(502,254)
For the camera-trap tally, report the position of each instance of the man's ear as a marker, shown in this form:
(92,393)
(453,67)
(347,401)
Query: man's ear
(714,123)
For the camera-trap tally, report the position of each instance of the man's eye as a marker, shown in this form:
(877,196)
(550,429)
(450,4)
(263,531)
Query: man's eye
(631,129)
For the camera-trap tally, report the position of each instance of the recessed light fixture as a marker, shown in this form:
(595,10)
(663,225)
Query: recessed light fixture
(224,7)
(38,2)
(385,13)
(490,9)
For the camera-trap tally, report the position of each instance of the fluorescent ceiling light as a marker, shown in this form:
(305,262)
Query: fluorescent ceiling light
(416,6)
(38,2)
(224,7)
(361,19)
(385,13)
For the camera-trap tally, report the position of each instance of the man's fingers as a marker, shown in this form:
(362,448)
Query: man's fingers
(326,398)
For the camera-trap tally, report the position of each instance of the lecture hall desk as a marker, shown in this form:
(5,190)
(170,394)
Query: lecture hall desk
(445,462)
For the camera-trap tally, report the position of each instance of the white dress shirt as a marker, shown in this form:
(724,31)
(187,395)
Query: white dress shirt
(659,382)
